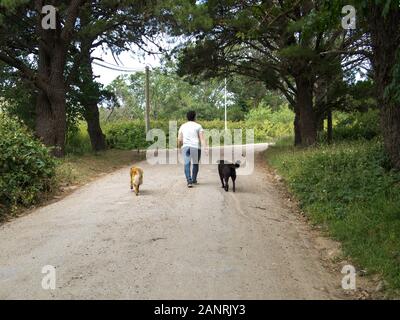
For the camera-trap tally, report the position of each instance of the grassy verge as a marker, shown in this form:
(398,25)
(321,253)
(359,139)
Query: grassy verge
(80,169)
(76,170)
(349,190)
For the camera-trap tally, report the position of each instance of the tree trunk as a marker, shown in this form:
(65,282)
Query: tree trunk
(57,98)
(91,114)
(385,36)
(51,103)
(51,119)
(57,95)
(297,131)
(307,118)
(51,116)
(44,120)
(92,117)
(90,94)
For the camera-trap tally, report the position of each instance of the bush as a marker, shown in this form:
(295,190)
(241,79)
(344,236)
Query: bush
(357,125)
(349,188)
(130,134)
(126,135)
(219,125)
(26,166)
(270,124)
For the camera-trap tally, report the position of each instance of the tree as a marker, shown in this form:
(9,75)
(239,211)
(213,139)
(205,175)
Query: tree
(172,96)
(129,94)
(58,61)
(50,47)
(379,21)
(278,43)
(383,24)
(115,26)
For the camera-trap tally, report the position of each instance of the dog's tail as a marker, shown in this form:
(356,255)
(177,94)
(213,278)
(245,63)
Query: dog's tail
(131,179)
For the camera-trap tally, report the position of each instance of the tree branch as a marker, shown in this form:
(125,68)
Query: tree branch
(72,14)
(27,73)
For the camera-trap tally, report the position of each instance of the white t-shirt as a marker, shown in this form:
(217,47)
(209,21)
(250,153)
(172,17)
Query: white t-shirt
(190,132)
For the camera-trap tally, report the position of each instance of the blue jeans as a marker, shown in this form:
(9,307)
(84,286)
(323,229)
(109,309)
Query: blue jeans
(191,155)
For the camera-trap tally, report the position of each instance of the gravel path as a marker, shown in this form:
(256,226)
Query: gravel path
(168,243)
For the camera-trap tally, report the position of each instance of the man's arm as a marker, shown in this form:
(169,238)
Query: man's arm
(203,141)
(180,139)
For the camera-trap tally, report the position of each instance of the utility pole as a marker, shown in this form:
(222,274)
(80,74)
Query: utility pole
(226,111)
(147,91)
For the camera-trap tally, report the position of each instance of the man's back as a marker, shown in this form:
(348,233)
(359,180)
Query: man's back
(190,132)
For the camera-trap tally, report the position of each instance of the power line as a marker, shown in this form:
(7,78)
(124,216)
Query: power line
(116,68)
(113,65)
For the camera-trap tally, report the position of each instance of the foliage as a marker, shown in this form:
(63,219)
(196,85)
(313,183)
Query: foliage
(17,95)
(26,167)
(126,135)
(357,125)
(172,96)
(361,96)
(82,27)
(267,123)
(243,40)
(78,141)
(347,188)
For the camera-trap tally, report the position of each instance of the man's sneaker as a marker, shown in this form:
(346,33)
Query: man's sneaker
(190,185)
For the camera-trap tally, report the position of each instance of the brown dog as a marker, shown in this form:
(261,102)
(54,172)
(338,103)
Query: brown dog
(136,179)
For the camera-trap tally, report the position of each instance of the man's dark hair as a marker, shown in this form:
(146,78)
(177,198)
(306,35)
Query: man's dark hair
(191,115)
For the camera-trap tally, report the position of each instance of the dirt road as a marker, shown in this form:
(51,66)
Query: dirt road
(169,243)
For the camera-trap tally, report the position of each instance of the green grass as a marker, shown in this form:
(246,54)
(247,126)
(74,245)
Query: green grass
(78,141)
(80,169)
(76,170)
(349,190)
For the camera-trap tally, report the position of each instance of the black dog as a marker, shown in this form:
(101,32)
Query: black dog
(227,170)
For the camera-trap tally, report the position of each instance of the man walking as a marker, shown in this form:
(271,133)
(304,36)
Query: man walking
(191,138)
